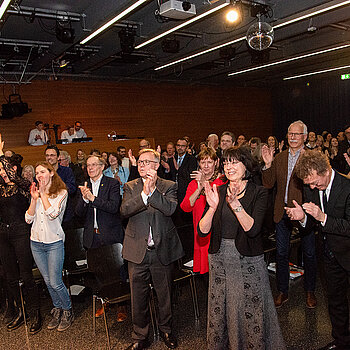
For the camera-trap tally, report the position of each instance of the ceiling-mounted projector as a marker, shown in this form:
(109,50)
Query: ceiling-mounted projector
(177,9)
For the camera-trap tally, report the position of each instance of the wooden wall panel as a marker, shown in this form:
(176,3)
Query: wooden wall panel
(162,111)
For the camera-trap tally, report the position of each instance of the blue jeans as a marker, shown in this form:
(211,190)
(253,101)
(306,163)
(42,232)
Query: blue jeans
(283,232)
(49,259)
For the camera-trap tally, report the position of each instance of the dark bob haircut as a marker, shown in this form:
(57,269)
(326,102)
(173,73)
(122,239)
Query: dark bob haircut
(242,154)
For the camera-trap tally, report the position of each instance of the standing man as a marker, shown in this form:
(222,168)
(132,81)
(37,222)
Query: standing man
(79,131)
(327,208)
(38,136)
(151,245)
(280,172)
(121,150)
(98,204)
(227,140)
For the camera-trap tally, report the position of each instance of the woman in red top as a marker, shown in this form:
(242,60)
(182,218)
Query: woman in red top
(195,201)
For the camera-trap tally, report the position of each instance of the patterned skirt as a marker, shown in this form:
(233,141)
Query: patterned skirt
(241,311)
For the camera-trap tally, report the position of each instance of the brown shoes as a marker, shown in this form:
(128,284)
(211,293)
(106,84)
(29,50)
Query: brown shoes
(280,299)
(311,300)
(122,314)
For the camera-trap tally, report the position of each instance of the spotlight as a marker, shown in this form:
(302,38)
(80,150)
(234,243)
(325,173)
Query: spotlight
(127,40)
(260,35)
(64,34)
(232,15)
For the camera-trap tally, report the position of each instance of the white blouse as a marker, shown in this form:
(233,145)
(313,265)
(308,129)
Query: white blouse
(46,226)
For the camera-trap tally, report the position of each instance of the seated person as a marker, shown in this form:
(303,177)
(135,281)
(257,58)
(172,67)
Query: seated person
(38,136)
(68,134)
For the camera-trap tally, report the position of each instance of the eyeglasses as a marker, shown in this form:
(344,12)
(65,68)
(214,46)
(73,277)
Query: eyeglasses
(93,165)
(181,145)
(295,133)
(145,162)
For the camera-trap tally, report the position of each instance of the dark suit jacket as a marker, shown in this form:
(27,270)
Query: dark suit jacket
(157,214)
(337,227)
(277,174)
(188,165)
(254,203)
(108,220)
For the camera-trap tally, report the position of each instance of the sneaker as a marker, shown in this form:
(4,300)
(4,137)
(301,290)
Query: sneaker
(66,320)
(56,315)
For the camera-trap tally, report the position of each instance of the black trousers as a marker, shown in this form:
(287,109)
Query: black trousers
(337,279)
(140,275)
(17,261)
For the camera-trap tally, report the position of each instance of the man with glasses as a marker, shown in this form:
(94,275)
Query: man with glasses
(327,207)
(281,172)
(150,246)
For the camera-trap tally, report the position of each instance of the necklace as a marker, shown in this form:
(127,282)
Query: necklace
(238,194)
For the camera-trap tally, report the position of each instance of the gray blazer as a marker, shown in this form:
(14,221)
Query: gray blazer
(157,214)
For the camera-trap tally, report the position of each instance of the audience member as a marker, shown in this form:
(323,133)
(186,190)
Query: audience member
(79,131)
(326,207)
(195,202)
(241,140)
(117,171)
(280,171)
(15,254)
(150,246)
(311,140)
(213,141)
(144,144)
(121,150)
(28,172)
(98,205)
(68,134)
(241,314)
(45,213)
(38,136)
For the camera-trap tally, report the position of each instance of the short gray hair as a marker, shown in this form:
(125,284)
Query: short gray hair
(301,123)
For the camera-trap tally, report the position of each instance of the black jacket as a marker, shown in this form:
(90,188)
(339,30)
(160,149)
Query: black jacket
(254,203)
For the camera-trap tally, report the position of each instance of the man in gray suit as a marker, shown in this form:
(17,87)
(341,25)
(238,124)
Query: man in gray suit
(151,245)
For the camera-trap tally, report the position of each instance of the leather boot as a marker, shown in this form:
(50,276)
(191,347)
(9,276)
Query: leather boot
(37,323)
(10,312)
(17,321)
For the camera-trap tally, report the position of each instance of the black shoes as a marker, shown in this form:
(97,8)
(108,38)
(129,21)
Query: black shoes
(37,323)
(334,346)
(141,344)
(168,339)
(17,321)
(10,313)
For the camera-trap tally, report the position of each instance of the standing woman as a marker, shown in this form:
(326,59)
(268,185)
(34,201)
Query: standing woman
(15,254)
(195,201)
(241,311)
(46,211)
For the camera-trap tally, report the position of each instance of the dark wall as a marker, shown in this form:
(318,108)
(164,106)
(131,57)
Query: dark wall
(324,104)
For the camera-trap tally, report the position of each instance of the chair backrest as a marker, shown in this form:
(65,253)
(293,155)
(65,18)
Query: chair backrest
(106,263)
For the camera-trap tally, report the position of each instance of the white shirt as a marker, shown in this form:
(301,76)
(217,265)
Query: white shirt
(95,185)
(46,226)
(65,135)
(327,190)
(80,133)
(38,142)
(145,200)
(126,162)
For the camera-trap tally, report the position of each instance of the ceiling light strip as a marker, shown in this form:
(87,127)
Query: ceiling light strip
(312,14)
(317,72)
(3,7)
(113,20)
(182,25)
(296,58)
(329,8)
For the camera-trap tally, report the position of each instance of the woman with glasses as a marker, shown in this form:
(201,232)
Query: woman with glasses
(45,213)
(241,311)
(195,201)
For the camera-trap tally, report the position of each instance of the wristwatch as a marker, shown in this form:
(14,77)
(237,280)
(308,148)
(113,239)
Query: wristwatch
(238,209)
